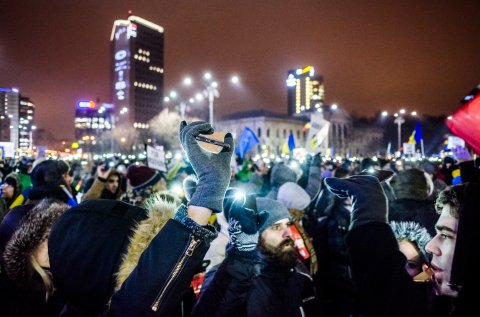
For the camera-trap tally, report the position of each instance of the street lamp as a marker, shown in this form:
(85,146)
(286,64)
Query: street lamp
(399,120)
(211,92)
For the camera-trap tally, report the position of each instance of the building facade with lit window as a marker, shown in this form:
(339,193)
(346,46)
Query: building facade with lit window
(91,121)
(137,70)
(17,113)
(305,91)
(272,129)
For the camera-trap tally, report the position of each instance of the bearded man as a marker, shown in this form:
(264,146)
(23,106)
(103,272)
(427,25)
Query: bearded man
(258,277)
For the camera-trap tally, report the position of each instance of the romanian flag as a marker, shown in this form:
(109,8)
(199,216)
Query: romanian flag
(289,145)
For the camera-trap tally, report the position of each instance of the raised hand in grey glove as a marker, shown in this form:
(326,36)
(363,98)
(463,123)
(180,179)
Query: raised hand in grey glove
(243,221)
(368,199)
(212,170)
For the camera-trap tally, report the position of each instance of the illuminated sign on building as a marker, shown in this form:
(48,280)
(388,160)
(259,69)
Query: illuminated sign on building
(122,63)
(305,90)
(86,104)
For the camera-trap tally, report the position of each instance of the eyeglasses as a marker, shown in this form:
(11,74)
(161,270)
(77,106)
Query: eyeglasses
(5,185)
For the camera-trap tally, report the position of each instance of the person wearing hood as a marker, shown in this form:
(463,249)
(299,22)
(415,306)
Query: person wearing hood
(26,283)
(412,239)
(107,185)
(385,288)
(111,258)
(11,194)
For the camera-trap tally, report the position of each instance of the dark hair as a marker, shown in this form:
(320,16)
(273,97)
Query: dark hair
(453,197)
(49,173)
(340,172)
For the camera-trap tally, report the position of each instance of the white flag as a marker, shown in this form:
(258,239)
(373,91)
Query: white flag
(317,139)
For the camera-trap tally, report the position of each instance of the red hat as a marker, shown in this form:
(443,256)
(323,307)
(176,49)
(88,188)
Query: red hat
(142,176)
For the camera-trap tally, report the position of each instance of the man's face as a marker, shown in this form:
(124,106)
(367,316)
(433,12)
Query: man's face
(442,248)
(276,244)
(7,191)
(112,184)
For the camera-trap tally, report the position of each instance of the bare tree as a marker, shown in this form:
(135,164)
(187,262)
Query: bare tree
(164,128)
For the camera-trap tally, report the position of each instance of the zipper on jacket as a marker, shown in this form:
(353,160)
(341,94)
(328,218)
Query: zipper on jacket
(176,270)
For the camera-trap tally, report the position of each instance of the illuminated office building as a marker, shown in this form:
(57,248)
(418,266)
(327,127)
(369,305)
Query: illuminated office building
(26,113)
(137,70)
(305,91)
(91,121)
(16,118)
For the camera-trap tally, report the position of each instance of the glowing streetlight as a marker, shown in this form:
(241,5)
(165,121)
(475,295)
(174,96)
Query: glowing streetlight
(235,80)
(187,81)
(211,92)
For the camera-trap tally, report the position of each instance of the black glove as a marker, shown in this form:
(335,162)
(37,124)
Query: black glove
(243,221)
(368,199)
(212,170)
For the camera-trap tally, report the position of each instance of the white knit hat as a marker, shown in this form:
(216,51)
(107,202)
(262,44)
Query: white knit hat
(293,196)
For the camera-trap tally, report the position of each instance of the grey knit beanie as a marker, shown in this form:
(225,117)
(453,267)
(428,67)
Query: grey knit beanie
(276,210)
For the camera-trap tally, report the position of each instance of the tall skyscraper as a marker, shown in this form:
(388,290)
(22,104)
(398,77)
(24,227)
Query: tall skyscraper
(137,70)
(26,113)
(305,91)
(16,118)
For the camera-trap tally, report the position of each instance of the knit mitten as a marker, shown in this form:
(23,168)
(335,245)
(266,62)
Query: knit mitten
(243,223)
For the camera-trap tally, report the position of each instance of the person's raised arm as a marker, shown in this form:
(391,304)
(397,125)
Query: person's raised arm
(212,170)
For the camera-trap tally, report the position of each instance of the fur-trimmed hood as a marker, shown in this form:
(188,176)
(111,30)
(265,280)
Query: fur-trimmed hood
(160,209)
(32,231)
(95,246)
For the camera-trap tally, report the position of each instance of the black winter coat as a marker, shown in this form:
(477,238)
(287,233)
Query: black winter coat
(238,290)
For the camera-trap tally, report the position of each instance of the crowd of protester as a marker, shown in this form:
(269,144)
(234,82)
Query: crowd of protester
(242,237)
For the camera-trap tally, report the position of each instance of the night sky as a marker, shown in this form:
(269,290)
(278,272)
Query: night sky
(374,55)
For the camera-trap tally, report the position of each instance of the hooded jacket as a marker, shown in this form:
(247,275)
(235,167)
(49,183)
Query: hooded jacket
(109,257)
(25,292)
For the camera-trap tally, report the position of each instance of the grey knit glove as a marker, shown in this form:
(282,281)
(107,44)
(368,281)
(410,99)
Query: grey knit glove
(212,170)
(368,199)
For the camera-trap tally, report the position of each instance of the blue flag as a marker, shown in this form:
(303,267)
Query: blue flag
(418,132)
(291,142)
(247,140)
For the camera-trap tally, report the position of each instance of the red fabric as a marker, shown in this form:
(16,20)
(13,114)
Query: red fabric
(465,123)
